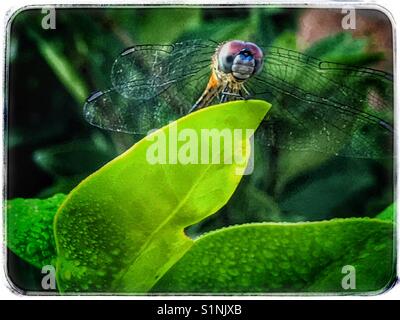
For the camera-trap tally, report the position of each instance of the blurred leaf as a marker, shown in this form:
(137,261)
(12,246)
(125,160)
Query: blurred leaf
(272,23)
(13,49)
(287,40)
(343,48)
(15,138)
(30,228)
(27,136)
(122,227)
(322,190)
(62,67)
(222,30)
(74,158)
(165,25)
(283,257)
(71,162)
(294,163)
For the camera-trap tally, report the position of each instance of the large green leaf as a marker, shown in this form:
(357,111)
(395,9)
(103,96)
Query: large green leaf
(287,257)
(121,229)
(30,229)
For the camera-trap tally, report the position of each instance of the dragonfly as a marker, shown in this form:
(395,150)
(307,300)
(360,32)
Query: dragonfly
(317,105)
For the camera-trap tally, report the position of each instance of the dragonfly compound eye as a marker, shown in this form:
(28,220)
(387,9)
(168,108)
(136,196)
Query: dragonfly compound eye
(258,56)
(225,63)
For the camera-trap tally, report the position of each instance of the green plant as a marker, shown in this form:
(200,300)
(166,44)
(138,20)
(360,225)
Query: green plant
(122,230)
(51,149)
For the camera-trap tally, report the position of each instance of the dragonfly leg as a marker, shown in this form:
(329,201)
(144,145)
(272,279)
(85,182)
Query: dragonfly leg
(245,93)
(194,108)
(225,95)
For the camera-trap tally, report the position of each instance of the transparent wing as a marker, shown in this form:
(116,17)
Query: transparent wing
(324,106)
(151,85)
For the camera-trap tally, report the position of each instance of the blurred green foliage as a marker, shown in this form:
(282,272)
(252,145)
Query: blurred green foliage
(51,148)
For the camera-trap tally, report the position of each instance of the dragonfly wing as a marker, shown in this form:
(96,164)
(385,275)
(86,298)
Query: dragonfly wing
(110,110)
(151,85)
(326,107)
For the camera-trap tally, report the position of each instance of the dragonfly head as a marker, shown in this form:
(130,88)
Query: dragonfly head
(239,58)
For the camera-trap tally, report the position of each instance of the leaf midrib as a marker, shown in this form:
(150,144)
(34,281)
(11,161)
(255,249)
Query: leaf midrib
(163,224)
